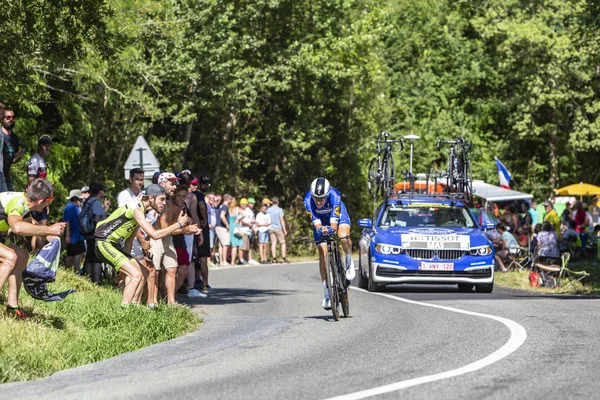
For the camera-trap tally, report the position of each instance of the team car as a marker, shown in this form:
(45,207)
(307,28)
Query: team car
(430,240)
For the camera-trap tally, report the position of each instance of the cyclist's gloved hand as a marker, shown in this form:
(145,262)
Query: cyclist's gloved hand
(328,231)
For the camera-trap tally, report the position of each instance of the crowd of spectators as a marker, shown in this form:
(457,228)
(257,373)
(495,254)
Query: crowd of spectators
(545,236)
(234,232)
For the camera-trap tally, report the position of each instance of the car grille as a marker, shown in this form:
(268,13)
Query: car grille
(423,254)
(398,273)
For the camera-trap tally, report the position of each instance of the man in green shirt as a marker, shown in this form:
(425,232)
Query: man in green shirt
(552,217)
(115,234)
(15,215)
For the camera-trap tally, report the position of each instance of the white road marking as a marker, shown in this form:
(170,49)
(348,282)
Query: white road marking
(518,334)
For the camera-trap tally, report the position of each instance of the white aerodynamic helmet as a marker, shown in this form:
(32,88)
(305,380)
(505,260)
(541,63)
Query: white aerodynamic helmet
(319,188)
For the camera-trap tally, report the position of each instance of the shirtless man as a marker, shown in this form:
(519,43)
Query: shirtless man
(163,250)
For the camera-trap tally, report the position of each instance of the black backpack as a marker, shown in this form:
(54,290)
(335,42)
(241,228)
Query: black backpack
(87,223)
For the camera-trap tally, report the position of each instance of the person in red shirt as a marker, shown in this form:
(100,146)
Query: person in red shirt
(583,222)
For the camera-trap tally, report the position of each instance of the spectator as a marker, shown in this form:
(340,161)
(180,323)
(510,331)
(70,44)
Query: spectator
(547,244)
(11,151)
(85,192)
(536,231)
(263,222)
(552,216)
(130,195)
(93,265)
(203,240)
(253,229)
(583,223)
(184,242)
(211,210)
(508,246)
(570,235)
(222,230)
(523,235)
(37,168)
(246,224)
(533,214)
(278,230)
(73,239)
(567,215)
(235,216)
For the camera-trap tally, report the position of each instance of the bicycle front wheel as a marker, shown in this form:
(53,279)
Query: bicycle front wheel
(332,285)
(387,184)
(373,182)
(343,287)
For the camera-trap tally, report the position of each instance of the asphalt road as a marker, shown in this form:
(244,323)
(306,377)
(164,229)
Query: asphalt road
(266,336)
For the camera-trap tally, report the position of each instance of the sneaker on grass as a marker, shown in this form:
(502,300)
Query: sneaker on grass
(17,313)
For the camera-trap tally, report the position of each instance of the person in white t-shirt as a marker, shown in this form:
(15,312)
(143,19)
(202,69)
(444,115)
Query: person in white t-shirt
(136,183)
(263,223)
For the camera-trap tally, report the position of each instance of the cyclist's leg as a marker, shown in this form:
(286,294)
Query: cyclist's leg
(344,230)
(134,279)
(8,264)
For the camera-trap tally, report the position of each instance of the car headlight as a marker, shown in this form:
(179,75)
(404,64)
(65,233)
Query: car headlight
(481,250)
(383,248)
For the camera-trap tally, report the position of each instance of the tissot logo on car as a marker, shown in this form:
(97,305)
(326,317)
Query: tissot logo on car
(432,231)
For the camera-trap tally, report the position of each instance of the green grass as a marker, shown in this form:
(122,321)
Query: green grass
(589,286)
(86,327)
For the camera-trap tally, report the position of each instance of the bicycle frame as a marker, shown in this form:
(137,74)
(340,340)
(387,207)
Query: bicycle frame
(381,180)
(458,175)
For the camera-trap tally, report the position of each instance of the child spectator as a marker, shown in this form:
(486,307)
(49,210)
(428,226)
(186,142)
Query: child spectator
(263,222)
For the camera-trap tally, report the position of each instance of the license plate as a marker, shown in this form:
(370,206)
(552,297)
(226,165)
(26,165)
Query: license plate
(425,266)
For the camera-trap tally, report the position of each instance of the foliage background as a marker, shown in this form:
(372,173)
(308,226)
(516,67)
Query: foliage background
(265,95)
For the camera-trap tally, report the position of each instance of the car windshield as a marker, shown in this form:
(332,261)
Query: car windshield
(427,215)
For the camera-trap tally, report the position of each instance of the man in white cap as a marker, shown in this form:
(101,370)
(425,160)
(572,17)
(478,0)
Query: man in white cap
(74,240)
(85,192)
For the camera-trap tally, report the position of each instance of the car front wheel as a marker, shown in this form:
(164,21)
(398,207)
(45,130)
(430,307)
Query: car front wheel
(371,285)
(484,287)
(363,283)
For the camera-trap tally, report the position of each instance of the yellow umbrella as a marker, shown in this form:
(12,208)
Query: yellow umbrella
(578,189)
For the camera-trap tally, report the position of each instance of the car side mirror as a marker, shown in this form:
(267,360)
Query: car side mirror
(365,223)
(488,225)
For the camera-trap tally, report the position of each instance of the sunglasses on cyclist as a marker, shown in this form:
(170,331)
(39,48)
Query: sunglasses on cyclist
(48,199)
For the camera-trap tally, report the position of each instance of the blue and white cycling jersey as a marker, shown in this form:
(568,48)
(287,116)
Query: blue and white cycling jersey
(333,211)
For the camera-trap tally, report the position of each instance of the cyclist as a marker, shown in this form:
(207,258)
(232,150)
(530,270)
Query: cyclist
(328,214)
(15,215)
(115,234)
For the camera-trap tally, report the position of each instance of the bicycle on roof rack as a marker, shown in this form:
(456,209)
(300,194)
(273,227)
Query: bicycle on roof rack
(381,168)
(459,179)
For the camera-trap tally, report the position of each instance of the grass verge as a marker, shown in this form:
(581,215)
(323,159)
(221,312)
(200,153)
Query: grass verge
(589,286)
(86,327)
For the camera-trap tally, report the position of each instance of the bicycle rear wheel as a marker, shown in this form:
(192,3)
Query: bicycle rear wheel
(373,178)
(332,285)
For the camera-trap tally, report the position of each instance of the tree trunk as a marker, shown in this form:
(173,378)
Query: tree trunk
(187,136)
(552,145)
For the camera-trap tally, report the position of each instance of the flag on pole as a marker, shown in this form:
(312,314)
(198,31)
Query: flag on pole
(503,174)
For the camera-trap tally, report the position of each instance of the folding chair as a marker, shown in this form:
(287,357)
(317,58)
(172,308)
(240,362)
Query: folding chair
(563,275)
(520,259)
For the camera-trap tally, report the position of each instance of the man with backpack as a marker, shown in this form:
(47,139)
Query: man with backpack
(92,212)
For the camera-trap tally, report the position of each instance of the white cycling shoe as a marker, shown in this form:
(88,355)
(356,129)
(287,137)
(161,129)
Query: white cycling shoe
(350,271)
(327,303)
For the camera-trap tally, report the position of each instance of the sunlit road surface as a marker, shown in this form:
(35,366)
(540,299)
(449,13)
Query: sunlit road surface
(265,336)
